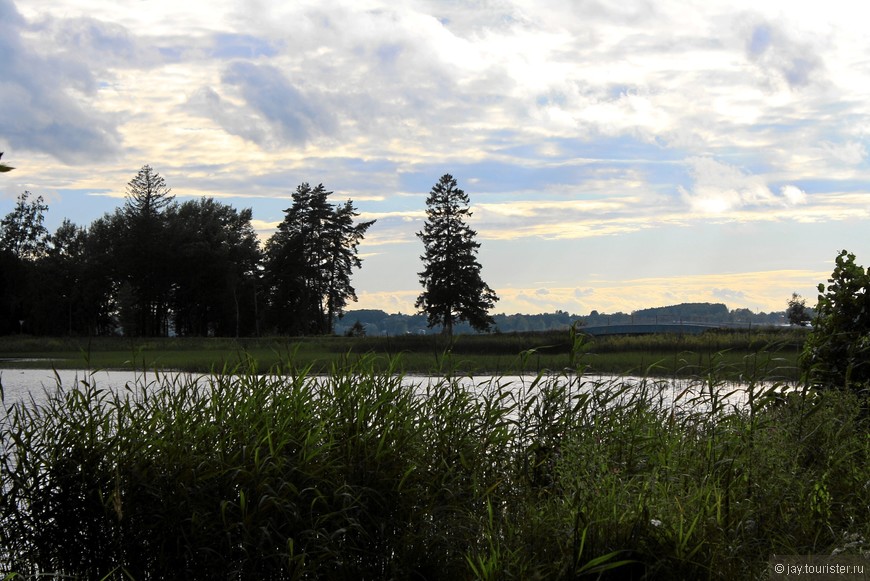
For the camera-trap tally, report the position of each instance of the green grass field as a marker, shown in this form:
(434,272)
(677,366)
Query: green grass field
(772,352)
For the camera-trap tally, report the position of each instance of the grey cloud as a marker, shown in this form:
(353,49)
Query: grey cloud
(390,74)
(38,111)
(293,115)
(206,102)
(782,57)
(95,41)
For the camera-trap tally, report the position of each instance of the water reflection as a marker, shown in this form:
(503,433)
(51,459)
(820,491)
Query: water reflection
(33,384)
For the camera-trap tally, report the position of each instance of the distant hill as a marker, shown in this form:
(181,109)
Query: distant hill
(377,322)
(700,312)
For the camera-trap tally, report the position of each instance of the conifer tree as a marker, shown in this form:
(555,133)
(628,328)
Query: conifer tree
(453,288)
(309,261)
(143,255)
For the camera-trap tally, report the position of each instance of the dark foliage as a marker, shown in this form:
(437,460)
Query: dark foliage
(309,261)
(453,288)
(157,267)
(837,352)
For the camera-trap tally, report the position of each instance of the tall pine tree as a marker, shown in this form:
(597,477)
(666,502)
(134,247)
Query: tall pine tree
(144,257)
(309,262)
(454,291)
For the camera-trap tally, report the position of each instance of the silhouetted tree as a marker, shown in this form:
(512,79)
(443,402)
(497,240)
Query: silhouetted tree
(454,290)
(309,260)
(214,265)
(102,275)
(58,289)
(22,231)
(143,254)
(342,238)
(797,313)
(23,241)
(3,167)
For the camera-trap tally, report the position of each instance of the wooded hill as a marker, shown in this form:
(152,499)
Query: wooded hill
(378,322)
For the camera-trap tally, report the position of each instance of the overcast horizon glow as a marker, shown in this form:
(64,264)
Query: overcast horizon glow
(617,156)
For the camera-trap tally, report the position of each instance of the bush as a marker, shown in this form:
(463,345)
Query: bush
(837,351)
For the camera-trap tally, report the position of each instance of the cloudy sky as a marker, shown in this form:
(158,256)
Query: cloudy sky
(618,155)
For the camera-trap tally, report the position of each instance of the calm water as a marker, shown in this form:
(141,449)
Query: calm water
(24,384)
(34,384)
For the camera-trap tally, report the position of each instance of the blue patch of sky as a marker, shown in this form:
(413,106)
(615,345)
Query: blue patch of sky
(80,206)
(824,185)
(616,91)
(171,53)
(388,53)
(623,148)
(552,98)
(229,46)
(761,39)
(499,177)
(695,249)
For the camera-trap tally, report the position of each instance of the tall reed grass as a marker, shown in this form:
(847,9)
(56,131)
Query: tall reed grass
(358,475)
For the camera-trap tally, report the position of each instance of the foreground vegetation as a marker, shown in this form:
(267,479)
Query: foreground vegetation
(739,353)
(357,475)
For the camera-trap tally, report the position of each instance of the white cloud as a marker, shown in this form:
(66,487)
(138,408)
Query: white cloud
(849,153)
(568,120)
(793,195)
(720,188)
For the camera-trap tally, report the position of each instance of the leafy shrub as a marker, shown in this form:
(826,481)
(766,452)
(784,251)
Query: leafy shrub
(837,352)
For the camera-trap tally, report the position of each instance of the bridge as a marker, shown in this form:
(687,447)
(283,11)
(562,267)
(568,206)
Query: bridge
(650,328)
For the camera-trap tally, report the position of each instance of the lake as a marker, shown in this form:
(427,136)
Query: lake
(33,384)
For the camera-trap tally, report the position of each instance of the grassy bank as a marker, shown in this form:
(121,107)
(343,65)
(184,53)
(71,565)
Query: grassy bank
(355,476)
(738,353)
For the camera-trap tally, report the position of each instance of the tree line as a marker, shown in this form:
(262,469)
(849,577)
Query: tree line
(156,266)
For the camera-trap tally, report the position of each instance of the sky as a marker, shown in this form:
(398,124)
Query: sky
(618,155)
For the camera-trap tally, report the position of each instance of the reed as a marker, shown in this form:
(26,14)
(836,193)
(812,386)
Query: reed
(359,475)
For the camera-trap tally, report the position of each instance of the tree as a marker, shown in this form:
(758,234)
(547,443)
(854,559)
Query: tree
(215,263)
(23,241)
(837,351)
(58,284)
(3,167)
(147,195)
(309,260)
(22,231)
(797,313)
(143,254)
(453,289)
(101,278)
(343,237)
(356,330)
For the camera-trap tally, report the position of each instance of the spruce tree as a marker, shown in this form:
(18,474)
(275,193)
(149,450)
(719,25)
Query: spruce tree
(144,255)
(309,261)
(453,289)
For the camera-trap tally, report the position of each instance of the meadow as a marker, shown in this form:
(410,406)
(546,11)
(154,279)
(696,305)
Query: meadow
(736,352)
